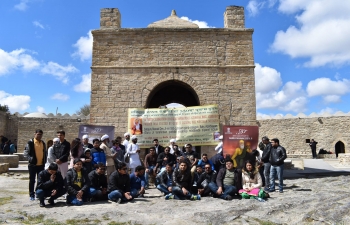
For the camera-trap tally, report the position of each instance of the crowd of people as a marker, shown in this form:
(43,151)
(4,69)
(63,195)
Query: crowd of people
(99,171)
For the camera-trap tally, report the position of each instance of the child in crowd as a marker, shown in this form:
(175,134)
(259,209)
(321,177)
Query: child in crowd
(86,158)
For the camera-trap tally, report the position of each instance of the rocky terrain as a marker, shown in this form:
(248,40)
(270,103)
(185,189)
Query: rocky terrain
(305,201)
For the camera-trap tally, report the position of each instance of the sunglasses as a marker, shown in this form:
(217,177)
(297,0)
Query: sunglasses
(207,167)
(102,168)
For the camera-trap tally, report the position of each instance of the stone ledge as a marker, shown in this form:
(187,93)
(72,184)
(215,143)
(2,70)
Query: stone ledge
(12,160)
(21,156)
(4,167)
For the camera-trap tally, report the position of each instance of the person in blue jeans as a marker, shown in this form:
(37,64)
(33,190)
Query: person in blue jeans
(119,185)
(137,182)
(50,184)
(98,187)
(150,164)
(165,179)
(228,181)
(277,156)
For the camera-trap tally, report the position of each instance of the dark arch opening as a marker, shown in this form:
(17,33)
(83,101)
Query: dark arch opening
(339,148)
(172,91)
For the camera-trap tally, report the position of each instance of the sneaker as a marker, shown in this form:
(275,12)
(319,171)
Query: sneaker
(51,201)
(169,196)
(195,197)
(281,191)
(272,190)
(228,198)
(266,189)
(42,204)
(32,198)
(119,201)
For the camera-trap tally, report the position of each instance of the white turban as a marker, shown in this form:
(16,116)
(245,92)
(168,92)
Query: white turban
(104,137)
(56,139)
(126,134)
(133,137)
(85,136)
(221,137)
(172,140)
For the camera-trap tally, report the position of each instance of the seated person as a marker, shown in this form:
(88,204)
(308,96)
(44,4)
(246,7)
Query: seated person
(98,155)
(204,161)
(87,160)
(165,179)
(119,185)
(165,158)
(182,184)
(251,181)
(150,164)
(137,182)
(227,181)
(196,176)
(78,184)
(205,179)
(50,184)
(98,186)
(177,152)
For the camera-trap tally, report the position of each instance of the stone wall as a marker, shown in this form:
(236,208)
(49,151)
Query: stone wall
(327,131)
(3,123)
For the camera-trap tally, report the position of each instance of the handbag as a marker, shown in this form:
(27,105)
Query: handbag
(127,158)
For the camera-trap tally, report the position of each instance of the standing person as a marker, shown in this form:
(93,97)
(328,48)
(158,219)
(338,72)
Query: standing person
(75,152)
(119,140)
(151,164)
(219,147)
(313,144)
(266,148)
(171,145)
(78,184)
(192,156)
(118,151)
(61,152)
(98,183)
(36,154)
(86,144)
(137,182)
(119,185)
(133,150)
(109,155)
(50,184)
(277,156)
(51,158)
(97,154)
(159,149)
(126,140)
(164,158)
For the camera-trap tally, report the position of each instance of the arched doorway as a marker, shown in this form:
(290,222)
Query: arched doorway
(339,148)
(172,91)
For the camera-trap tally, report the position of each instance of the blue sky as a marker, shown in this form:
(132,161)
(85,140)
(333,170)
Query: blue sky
(301,50)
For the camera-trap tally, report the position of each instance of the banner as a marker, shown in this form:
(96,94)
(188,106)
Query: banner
(96,131)
(239,141)
(194,125)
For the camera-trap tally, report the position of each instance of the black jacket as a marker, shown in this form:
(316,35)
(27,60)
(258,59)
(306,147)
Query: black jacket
(163,178)
(238,178)
(182,179)
(277,156)
(61,151)
(161,162)
(119,182)
(45,183)
(29,152)
(72,176)
(266,153)
(209,177)
(97,181)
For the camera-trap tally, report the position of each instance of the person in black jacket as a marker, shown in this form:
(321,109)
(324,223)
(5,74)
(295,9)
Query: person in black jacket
(78,184)
(165,179)
(61,150)
(119,185)
(205,179)
(50,184)
(98,180)
(313,144)
(266,148)
(35,152)
(277,156)
(165,158)
(228,181)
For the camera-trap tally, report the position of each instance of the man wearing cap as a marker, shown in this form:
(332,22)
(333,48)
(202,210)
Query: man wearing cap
(50,156)
(171,145)
(126,140)
(218,148)
(86,143)
(133,150)
(109,156)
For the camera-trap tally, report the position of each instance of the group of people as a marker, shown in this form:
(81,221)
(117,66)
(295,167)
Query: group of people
(83,172)
(7,146)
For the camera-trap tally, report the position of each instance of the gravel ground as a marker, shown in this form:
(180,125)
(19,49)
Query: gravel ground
(305,201)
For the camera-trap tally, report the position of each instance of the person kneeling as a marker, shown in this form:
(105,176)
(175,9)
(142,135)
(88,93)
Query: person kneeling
(251,181)
(137,182)
(50,184)
(119,185)
(78,184)
(181,184)
(165,179)
(98,187)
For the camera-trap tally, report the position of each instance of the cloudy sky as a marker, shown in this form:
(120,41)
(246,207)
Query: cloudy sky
(301,49)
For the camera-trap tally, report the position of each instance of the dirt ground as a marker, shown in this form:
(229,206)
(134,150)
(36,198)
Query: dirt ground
(304,201)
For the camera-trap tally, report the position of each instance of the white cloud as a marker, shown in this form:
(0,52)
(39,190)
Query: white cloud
(14,102)
(15,60)
(330,90)
(201,24)
(84,85)
(270,94)
(60,96)
(22,6)
(84,47)
(254,6)
(322,35)
(58,71)
(40,109)
(38,24)
(326,110)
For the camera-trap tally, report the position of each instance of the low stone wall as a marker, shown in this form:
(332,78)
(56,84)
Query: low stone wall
(12,160)
(344,159)
(4,167)
(21,156)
